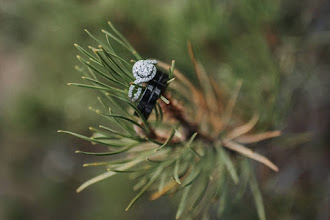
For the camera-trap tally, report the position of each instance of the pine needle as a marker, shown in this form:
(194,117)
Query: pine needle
(228,163)
(254,138)
(183,202)
(242,129)
(106,175)
(257,198)
(249,153)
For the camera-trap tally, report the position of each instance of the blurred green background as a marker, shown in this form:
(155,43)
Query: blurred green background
(281,50)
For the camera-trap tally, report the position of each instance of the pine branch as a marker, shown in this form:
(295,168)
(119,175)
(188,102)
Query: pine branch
(185,143)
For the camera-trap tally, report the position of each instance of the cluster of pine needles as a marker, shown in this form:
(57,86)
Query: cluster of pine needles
(191,148)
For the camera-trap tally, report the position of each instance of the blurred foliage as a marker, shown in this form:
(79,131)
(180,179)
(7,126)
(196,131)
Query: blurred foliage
(279,48)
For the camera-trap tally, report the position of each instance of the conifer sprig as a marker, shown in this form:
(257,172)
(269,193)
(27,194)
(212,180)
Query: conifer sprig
(188,153)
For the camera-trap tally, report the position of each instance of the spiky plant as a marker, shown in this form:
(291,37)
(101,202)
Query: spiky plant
(190,145)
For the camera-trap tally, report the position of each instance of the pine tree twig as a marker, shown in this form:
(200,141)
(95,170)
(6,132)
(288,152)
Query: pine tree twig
(175,111)
(184,151)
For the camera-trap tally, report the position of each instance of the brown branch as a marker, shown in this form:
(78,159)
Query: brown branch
(175,111)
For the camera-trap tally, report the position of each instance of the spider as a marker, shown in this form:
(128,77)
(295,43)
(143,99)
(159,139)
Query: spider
(143,71)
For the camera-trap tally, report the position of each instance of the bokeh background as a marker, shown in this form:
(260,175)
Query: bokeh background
(280,49)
